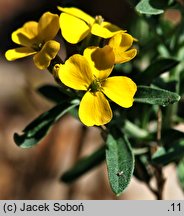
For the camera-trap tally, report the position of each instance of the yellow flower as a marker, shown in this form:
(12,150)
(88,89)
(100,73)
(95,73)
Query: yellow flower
(90,73)
(76,25)
(36,38)
(121,43)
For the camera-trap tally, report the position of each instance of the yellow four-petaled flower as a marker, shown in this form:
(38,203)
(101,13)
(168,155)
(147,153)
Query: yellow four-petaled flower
(76,25)
(36,38)
(90,73)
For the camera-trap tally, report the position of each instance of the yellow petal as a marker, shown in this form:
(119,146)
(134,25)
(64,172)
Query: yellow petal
(17,53)
(105,30)
(73,29)
(48,26)
(121,40)
(75,12)
(120,89)
(76,73)
(120,43)
(26,35)
(46,54)
(125,56)
(94,109)
(101,60)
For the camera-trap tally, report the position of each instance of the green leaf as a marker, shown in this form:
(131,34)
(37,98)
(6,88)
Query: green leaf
(148,7)
(180,112)
(58,95)
(55,93)
(164,157)
(84,165)
(155,69)
(169,136)
(170,85)
(172,147)
(37,129)
(180,172)
(150,95)
(181,86)
(141,169)
(133,130)
(120,163)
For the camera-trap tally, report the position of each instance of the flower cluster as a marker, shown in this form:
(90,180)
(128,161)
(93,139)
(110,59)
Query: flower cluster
(89,71)
(36,38)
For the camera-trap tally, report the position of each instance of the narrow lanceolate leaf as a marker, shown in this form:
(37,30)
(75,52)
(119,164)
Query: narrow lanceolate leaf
(170,136)
(134,131)
(120,163)
(150,95)
(180,172)
(155,69)
(147,7)
(172,148)
(181,79)
(84,165)
(37,129)
(141,169)
(55,93)
(167,155)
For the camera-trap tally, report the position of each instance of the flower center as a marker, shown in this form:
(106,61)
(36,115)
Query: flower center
(37,46)
(99,19)
(95,86)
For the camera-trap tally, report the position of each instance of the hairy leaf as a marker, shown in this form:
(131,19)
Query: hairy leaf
(150,95)
(170,154)
(148,7)
(120,163)
(37,129)
(55,93)
(84,165)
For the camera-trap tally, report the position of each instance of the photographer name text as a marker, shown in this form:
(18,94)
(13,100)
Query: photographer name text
(44,207)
